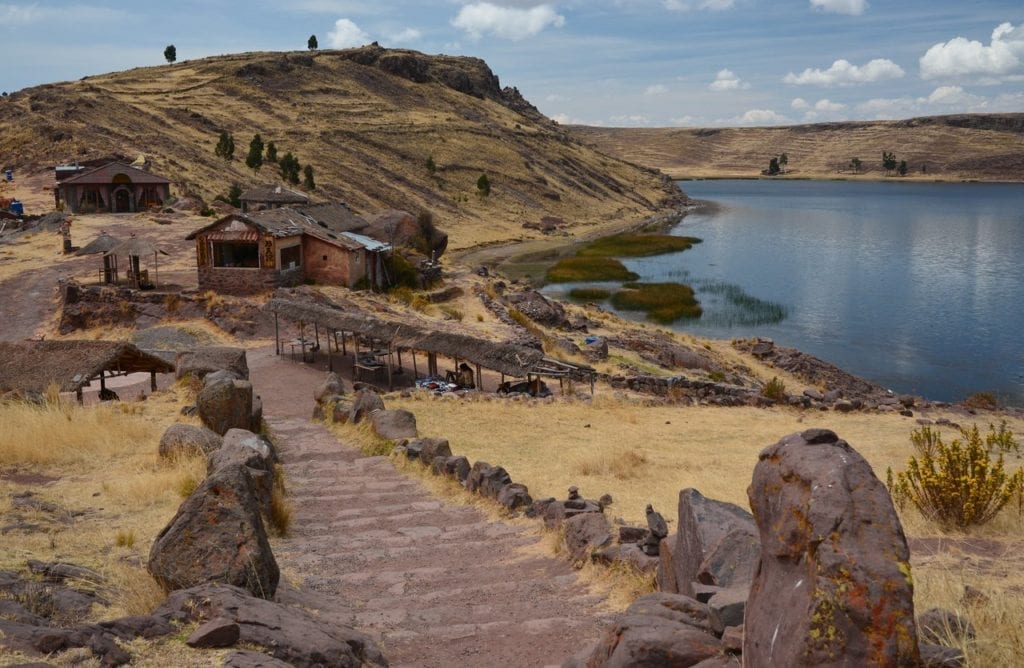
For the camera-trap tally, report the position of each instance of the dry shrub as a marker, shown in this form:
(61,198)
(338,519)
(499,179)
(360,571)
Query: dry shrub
(133,591)
(280,507)
(125,538)
(452,313)
(774,389)
(621,464)
(363,437)
(985,401)
(956,485)
(56,432)
(172,301)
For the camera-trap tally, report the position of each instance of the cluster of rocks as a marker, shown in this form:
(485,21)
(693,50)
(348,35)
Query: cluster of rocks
(225,400)
(365,404)
(818,575)
(679,388)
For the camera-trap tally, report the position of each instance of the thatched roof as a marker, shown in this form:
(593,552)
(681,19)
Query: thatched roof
(31,366)
(509,359)
(101,244)
(136,247)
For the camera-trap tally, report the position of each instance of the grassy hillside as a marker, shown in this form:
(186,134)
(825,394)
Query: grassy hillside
(366,119)
(987,147)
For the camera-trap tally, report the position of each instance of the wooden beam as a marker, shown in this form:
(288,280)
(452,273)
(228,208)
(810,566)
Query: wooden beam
(152,381)
(277,336)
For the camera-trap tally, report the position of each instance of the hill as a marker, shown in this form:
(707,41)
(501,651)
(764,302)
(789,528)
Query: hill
(366,119)
(988,147)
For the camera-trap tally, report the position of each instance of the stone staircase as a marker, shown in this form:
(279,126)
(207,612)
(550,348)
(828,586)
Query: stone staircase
(437,584)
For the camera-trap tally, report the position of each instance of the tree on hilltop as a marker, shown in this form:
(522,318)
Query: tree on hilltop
(290,168)
(170,53)
(235,195)
(254,160)
(312,44)
(271,152)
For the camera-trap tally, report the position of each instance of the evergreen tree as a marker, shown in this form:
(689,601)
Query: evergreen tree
(255,158)
(902,169)
(235,195)
(307,182)
(271,152)
(431,166)
(783,161)
(773,167)
(311,44)
(170,53)
(290,168)
(855,165)
(225,146)
(888,161)
(483,185)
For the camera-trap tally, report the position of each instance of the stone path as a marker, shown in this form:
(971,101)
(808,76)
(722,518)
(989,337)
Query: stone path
(437,584)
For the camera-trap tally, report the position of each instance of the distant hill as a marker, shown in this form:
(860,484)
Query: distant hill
(367,119)
(987,147)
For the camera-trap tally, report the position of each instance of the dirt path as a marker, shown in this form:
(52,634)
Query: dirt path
(437,584)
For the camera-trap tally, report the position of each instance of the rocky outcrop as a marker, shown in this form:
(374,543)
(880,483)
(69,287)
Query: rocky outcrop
(217,535)
(289,634)
(363,405)
(186,439)
(393,425)
(537,308)
(834,584)
(331,387)
(703,524)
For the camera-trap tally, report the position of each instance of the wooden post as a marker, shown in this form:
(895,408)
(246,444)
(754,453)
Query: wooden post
(316,332)
(400,360)
(592,384)
(156,270)
(479,378)
(415,371)
(343,351)
(152,381)
(277,336)
(330,356)
(390,386)
(78,395)
(103,382)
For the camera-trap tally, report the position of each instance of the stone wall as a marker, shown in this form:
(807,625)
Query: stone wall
(235,281)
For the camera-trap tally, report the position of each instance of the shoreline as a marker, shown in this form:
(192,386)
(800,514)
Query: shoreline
(821,177)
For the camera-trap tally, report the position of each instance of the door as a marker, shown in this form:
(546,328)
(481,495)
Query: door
(122,202)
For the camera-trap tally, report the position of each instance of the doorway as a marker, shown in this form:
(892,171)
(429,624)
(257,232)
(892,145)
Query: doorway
(122,202)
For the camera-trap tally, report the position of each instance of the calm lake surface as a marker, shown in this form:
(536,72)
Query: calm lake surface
(918,287)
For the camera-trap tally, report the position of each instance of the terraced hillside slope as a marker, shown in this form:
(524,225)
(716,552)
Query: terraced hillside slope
(988,147)
(366,119)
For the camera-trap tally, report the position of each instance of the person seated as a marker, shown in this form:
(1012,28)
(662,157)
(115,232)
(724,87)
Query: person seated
(465,378)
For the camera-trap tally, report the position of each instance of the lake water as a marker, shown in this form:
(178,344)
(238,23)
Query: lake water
(916,286)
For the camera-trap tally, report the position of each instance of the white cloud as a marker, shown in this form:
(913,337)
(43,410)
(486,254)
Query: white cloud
(755,117)
(799,103)
(844,73)
(656,89)
(685,121)
(633,119)
(512,23)
(346,35)
(23,15)
(850,7)
(828,105)
(955,95)
(404,36)
(962,57)
(708,5)
(726,80)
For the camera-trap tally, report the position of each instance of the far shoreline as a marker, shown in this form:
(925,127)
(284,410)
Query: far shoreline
(850,178)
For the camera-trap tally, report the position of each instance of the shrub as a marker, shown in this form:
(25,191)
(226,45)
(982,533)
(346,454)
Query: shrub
(956,485)
(774,389)
(985,401)
(280,508)
(125,538)
(452,313)
(573,269)
(401,272)
(589,294)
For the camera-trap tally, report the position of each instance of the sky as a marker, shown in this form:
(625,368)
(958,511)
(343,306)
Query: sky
(644,63)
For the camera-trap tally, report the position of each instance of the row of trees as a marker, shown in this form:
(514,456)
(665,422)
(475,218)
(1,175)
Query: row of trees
(288,165)
(777,165)
(889,163)
(171,52)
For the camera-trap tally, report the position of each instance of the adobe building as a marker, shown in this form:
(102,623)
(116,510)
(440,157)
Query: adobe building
(114,187)
(245,253)
(270,197)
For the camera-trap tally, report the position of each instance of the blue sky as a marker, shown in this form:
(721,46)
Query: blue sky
(602,62)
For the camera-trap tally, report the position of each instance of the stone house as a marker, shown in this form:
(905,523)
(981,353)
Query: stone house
(244,253)
(270,197)
(115,187)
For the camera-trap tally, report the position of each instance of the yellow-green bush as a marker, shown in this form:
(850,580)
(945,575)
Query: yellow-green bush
(957,485)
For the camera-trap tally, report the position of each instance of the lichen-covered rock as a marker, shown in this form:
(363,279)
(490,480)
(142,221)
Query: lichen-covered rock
(226,404)
(363,405)
(217,535)
(586,533)
(188,439)
(702,524)
(514,496)
(834,585)
(394,424)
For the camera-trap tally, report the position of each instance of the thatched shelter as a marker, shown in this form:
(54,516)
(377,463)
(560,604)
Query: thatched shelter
(104,243)
(392,336)
(30,367)
(135,248)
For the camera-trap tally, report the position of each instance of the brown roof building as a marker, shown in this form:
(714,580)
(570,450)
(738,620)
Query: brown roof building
(270,197)
(115,187)
(246,253)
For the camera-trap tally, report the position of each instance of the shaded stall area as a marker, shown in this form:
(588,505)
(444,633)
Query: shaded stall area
(31,367)
(377,346)
(103,244)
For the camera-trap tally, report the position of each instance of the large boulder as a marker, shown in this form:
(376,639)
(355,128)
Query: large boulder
(332,386)
(217,535)
(702,524)
(226,404)
(394,424)
(733,560)
(207,359)
(290,634)
(834,585)
(656,630)
(187,439)
(363,405)
(241,446)
(586,533)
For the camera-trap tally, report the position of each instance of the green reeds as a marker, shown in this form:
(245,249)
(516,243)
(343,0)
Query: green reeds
(589,294)
(637,245)
(581,269)
(664,303)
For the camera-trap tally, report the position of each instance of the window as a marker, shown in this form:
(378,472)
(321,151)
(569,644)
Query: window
(236,254)
(291,257)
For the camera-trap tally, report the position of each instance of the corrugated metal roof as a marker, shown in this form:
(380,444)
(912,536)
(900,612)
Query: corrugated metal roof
(366,242)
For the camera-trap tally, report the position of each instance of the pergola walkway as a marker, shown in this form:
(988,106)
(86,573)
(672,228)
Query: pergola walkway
(437,584)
